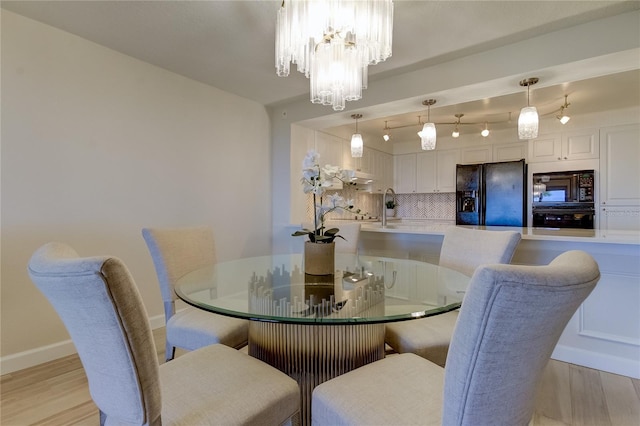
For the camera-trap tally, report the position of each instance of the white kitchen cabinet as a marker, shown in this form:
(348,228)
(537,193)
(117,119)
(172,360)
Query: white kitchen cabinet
(476,155)
(617,218)
(620,166)
(330,149)
(436,171)
(575,145)
(512,151)
(404,173)
(382,171)
(361,164)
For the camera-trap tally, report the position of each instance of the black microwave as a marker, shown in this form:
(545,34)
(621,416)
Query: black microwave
(563,187)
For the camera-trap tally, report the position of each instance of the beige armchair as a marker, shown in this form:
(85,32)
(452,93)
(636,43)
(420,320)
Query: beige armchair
(175,253)
(509,324)
(462,250)
(99,303)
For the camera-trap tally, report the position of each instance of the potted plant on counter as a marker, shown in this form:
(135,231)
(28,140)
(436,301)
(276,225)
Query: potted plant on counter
(391,205)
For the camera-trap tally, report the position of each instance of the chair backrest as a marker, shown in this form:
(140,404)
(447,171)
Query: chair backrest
(508,326)
(350,231)
(465,249)
(99,304)
(178,251)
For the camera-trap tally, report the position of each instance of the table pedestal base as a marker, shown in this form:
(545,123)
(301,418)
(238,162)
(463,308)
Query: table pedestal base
(312,354)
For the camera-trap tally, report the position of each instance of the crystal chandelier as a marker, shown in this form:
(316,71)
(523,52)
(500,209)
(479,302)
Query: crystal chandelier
(333,42)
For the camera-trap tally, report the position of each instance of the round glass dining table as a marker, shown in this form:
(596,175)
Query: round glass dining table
(315,327)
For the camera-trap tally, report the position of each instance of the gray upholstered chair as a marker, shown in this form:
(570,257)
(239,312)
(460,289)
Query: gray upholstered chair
(509,324)
(463,250)
(99,303)
(175,253)
(350,231)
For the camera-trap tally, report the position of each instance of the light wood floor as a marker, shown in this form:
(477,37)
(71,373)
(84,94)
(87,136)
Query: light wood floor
(56,393)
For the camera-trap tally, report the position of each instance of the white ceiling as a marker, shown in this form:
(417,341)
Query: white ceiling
(230,45)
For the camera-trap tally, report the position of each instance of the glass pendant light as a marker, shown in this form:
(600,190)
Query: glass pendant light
(357,145)
(428,133)
(528,119)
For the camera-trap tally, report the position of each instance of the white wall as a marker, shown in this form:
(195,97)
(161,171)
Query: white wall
(97,145)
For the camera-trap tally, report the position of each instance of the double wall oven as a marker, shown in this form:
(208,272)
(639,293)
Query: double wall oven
(564,199)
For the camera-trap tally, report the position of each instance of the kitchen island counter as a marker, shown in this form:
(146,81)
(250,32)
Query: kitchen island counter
(435,227)
(605,331)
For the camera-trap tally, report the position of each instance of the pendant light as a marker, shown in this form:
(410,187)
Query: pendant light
(387,134)
(356,139)
(528,120)
(456,132)
(428,133)
(563,117)
(485,132)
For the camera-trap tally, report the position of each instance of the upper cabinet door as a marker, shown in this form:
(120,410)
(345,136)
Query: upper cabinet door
(330,149)
(580,145)
(575,145)
(545,148)
(404,170)
(513,151)
(476,155)
(436,171)
(446,170)
(426,174)
(620,165)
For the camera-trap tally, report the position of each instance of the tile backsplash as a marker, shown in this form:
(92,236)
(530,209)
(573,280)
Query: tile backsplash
(440,206)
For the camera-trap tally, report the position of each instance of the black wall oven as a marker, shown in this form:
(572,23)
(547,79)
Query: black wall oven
(564,199)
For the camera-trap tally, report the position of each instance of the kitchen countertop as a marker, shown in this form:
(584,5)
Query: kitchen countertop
(437,227)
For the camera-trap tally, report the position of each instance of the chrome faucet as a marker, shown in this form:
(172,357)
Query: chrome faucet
(384,202)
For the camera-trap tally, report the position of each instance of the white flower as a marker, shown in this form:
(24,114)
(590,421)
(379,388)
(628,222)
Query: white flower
(315,180)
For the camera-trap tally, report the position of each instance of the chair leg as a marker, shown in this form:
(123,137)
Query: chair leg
(169,352)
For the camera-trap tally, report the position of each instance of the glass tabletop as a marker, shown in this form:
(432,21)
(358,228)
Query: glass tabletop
(364,289)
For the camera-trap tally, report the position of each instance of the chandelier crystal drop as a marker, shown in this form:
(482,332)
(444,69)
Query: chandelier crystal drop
(333,42)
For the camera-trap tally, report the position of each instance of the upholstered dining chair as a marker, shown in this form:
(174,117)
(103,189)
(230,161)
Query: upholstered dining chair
(509,324)
(350,231)
(98,301)
(463,250)
(175,253)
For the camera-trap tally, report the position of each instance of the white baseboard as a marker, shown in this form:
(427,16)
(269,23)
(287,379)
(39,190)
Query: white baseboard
(32,357)
(598,361)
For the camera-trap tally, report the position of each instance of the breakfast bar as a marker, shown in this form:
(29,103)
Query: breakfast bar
(604,333)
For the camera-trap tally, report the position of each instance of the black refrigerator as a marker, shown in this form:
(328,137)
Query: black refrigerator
(491,194)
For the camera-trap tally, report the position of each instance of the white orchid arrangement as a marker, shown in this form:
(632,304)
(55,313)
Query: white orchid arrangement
(315,180)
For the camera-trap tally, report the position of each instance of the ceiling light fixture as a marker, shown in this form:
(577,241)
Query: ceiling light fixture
(485,132)
(333,42)
(387,134)
(428,133)
(528,119)
(563,117)
(456,132)
(356,139)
